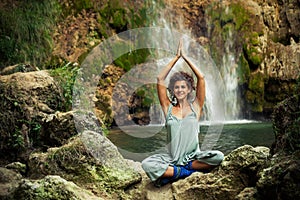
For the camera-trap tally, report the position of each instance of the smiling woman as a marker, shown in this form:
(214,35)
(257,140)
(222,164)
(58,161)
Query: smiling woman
(182,123)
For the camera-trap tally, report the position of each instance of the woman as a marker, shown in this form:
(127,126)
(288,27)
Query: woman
(182,116)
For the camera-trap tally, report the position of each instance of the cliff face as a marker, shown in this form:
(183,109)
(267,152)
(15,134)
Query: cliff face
(265,42)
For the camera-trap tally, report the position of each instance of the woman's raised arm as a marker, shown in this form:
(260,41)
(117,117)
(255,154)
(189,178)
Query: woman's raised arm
(161,88)
(200,87)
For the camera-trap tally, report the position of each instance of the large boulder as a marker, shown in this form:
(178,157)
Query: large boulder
(51,187)
(91,161)
(281,175)
(237,173)
(28,114)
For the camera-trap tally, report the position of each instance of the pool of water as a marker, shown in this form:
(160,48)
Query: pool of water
(138,142)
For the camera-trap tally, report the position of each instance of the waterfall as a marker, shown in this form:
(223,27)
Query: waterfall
(229,74)
(227,67)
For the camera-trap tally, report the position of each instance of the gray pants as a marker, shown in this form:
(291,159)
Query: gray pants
(156,165)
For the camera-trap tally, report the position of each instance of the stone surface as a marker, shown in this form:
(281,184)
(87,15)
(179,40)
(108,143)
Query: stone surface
(29,114)
(9,181)
(236,172)
(26,98)
(280,177)
(286,120)
(51,187)
(91,161)
(57,128)
(17,167)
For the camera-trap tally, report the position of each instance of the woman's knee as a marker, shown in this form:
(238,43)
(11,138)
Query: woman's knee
(145,164)
(218,157)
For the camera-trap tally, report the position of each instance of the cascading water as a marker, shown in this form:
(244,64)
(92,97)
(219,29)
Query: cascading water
(229,75)
(227,66)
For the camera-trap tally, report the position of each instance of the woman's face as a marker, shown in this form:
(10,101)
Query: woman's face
(181,90)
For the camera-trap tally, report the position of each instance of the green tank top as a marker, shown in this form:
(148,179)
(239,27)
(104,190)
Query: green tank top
(182,137)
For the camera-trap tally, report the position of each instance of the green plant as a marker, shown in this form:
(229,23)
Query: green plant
(16,140)
(65,77)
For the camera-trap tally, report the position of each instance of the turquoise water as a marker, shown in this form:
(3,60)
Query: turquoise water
(138,142)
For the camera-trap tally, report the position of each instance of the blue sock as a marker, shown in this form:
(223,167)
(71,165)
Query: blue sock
(179,172)
(182,172)
(189,165)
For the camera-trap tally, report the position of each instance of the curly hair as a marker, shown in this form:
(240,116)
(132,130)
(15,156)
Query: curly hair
(182,76)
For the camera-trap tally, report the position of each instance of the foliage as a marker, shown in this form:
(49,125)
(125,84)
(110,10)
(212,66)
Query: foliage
(131,59)
(65,77)
(255,92)
(251,50)
(25,34)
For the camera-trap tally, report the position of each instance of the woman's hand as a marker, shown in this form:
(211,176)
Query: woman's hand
(179,50)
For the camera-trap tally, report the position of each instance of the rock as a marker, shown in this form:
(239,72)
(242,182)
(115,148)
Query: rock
(18,68)
(26,98)
(89,160)
(17,167)
(249,193)
(286,125)
(109,77)
(52,187)
(280,177)
(236,173)
(57,128)
(9,181)
(145,189)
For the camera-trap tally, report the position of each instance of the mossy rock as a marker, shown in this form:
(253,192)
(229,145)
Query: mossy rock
(25,99)
(255,93)
(256,82)
(89,160)
(52,187)
(251,49)
(243,70)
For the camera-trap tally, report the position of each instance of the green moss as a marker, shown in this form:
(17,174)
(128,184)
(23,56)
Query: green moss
(251,50)
(228,22)
(25,34)
(256,82)
(243,70)
(255,93)
(241,16)
(128,60)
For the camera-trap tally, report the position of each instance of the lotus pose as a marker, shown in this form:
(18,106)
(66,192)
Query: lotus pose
(182,114)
